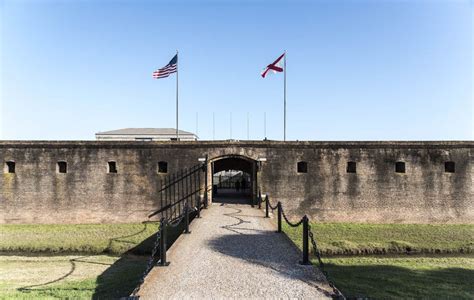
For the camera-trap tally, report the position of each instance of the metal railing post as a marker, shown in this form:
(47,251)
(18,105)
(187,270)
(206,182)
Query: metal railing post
(279,216)
(305,260)
(186,218)
(259,199)
(163,231)
(205,183)
(267,207)
(198,206)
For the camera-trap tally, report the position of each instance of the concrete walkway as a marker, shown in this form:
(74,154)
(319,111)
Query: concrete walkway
(234,252)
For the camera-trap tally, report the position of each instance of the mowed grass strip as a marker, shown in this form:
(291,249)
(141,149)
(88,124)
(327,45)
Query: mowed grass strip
(69,277)
(87,238)
(362,239)
(407,277)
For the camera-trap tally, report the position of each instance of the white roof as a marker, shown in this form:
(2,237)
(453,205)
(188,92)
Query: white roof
(144,131)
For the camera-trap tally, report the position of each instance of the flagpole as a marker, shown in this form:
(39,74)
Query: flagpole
(265,125)
(248,127)
(284,98)
(177,130)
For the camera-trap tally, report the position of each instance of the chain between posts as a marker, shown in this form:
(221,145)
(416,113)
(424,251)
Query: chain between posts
(317,253)
(160,242)
(177,221)
(307,233)
(288,221)
(267,201)
(171,204)
(150,263)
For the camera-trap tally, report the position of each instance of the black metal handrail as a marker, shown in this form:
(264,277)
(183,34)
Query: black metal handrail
(178,189)
(184,185)
(188,173)
(169,206)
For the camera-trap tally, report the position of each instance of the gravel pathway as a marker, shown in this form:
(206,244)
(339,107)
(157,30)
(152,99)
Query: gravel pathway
(234,252)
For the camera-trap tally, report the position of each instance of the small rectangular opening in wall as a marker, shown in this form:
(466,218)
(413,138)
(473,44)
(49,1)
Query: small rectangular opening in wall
(400,167)
(112,167)
(449,167)
(162,167)
(351,167)
(302,167)
(62,167)
(10,167)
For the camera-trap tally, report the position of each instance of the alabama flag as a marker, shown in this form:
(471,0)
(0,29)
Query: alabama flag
(276,66)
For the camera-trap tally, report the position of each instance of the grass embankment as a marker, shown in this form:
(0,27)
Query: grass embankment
(69,277)
(106,276)
(440,264)
(88,238)
(356,239)
(36,261)
(403,277)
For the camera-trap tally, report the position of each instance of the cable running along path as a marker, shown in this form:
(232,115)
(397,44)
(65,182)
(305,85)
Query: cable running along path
(234,252)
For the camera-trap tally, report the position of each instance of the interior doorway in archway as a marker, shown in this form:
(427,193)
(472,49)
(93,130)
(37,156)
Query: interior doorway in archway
(233,180)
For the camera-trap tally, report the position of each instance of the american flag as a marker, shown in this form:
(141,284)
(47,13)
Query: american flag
(170,68)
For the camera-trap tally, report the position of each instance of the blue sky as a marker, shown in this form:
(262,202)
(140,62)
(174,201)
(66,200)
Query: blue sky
(356,70)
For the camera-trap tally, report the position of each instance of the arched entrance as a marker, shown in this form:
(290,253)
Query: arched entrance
(234,179)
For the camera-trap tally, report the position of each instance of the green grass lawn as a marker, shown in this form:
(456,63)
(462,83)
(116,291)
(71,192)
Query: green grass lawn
(88,238)
(385,277)
(445,271)
(355,239)
(68,261)
(440,264)
(69,277)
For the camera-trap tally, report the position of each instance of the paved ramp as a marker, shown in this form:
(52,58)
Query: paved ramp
(234,252)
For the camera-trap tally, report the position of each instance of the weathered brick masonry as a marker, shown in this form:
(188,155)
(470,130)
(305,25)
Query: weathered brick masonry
(87,193)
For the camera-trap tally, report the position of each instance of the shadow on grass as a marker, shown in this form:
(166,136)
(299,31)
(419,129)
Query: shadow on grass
(390,282)
(122,277)
(117,281)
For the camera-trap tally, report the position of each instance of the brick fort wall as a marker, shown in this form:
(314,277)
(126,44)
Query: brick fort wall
(37,193)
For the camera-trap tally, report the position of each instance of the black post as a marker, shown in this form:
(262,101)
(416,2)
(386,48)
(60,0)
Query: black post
(305,260)
(267,207)
(198,206)
(205,183)
(279,216)
(259,199)
(163,225)
(173,180)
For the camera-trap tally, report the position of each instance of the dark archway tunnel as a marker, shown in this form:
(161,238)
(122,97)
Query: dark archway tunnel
(233,180)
